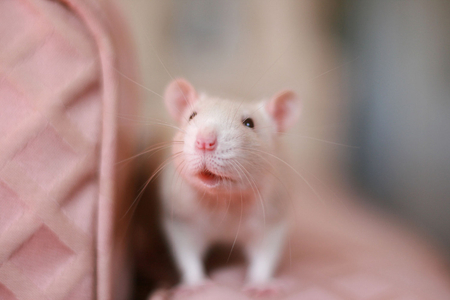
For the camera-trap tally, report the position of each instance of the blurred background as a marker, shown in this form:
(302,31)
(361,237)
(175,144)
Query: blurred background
(373,76)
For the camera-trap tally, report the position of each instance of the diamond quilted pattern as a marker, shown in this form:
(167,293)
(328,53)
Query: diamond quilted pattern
(11,207)
(6,294)
(83,290)
(85,112)
(42,257)
(43,82)
(47,158)
(10,29)
(80,207)
(14,109)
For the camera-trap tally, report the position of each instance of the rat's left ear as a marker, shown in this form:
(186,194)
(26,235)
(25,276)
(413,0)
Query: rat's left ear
(284,108)
(179,96)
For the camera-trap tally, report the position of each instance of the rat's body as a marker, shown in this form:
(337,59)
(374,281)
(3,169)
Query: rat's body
(223,184)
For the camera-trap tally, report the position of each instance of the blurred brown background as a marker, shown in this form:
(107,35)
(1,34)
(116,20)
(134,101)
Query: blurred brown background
(372,74)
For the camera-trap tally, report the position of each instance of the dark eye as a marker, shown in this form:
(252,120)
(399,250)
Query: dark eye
(248,122)
(192,115)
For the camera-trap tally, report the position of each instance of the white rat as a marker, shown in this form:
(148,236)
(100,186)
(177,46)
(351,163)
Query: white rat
(222,183)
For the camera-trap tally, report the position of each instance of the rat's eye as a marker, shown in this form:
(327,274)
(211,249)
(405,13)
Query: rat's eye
(248,122)
(192,115)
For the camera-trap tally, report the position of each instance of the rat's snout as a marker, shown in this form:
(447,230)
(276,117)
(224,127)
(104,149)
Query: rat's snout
(206,140)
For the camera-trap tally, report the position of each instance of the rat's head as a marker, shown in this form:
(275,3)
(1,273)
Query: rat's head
(226,145)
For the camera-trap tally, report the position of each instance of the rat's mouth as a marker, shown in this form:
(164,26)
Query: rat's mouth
(211,179)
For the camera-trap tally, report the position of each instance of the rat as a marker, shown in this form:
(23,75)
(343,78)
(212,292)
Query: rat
(222,182)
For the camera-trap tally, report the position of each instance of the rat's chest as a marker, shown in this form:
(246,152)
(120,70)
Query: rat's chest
(227,226)
(220,219)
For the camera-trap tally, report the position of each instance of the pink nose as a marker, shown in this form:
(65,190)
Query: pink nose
(206,142)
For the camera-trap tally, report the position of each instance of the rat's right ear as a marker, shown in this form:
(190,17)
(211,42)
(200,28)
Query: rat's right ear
(284,108)
(179,96)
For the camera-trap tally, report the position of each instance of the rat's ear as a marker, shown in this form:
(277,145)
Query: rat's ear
(284,108)
(179,96)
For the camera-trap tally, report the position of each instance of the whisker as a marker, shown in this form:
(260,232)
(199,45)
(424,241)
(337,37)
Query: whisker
(167,71)
(233,164)
(251,180)
(331,70)
(319,140)
(293,169)
(161,167)
(271,65)
(176,173)
(275,176)
(137,83)
(180,175)
(229,203)
(237,232)
(217,204)
(261,106)
(201,199)
(156,148)
(156,122)
(180,171)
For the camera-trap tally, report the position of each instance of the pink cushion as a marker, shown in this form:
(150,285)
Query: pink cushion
(340,251)
(59,100)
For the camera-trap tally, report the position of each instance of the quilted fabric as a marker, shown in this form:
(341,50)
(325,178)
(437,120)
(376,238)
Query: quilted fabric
(59,97)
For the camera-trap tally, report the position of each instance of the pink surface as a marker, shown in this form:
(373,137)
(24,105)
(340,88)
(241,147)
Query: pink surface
(59,96)
(340,251)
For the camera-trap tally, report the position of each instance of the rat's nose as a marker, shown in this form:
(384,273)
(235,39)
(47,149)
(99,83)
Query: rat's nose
(206,141)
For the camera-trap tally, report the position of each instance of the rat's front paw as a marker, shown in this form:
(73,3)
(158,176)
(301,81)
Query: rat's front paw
(273,288)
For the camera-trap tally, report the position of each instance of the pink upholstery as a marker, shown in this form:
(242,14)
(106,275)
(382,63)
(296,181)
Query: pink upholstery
(59,96)
(339,251)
